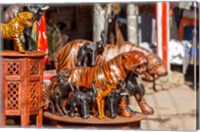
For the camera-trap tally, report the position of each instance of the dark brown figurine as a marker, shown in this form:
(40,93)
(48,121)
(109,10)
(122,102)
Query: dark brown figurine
(83,102)
(59,94)
(37,10)
(113,99)
(87,53)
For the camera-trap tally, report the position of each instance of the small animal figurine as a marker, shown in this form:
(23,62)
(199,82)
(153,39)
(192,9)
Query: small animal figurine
(88,52)
(14,29)
(82,101)
(138,91)
(37,10)
(100,99)
(133,88)
(59,94)
(113,99)
(48,90)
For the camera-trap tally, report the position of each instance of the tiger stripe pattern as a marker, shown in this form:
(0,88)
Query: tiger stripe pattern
(111,71)
(14,29)
(67,56)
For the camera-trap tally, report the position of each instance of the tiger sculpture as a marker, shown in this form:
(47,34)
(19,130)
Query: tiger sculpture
(111,71)
(14,29)
(67,59)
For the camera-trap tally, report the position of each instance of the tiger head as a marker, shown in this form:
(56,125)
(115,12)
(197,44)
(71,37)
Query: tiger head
(134,61)
(155,68)
(26,18)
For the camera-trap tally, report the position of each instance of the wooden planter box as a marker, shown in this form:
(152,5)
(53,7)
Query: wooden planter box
(21,86)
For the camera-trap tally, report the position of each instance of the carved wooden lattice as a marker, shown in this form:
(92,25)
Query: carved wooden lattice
(13,95)
(34,68)
(33,94)
(13,68)
(21,86)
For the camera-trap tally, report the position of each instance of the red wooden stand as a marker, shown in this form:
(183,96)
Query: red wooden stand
(21,86)
(92,122)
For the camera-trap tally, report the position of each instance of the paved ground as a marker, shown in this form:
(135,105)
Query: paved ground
(175,109)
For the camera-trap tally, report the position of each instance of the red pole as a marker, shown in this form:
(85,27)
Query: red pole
(162,31)
(165,31)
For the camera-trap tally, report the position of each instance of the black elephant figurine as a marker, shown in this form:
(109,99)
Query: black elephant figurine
(83,102)
(37,13)
(114,97)
(133,86)
(125,88)
(60,93)
(87,53)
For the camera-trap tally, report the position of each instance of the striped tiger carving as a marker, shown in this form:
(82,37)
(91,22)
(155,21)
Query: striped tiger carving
(67,57)
(14,29)
(111,71)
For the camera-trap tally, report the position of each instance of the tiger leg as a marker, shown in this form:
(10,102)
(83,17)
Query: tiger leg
(102,108)
(18,45)
(146,109)
(99,107)
(123,108)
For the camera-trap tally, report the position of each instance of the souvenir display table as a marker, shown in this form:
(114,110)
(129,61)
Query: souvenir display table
(21,86)
(93,122)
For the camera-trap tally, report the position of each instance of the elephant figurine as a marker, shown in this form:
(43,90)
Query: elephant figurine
(87,53)
(60,93)
(82,101)
(133,88)
(37,11)
(114,97)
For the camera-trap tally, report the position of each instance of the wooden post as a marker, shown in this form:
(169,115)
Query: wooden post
(132,28)
(98,21)
(2,102)
(162,31)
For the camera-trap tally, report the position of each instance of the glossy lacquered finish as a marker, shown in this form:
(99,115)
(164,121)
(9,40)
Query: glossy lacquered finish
(67,59)
(112,71)
(13,30)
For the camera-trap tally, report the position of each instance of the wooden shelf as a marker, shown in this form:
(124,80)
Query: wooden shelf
(95,121)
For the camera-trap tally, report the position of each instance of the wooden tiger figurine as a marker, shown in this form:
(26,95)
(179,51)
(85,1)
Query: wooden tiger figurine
(67,57)
(111,71)
(14,29)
